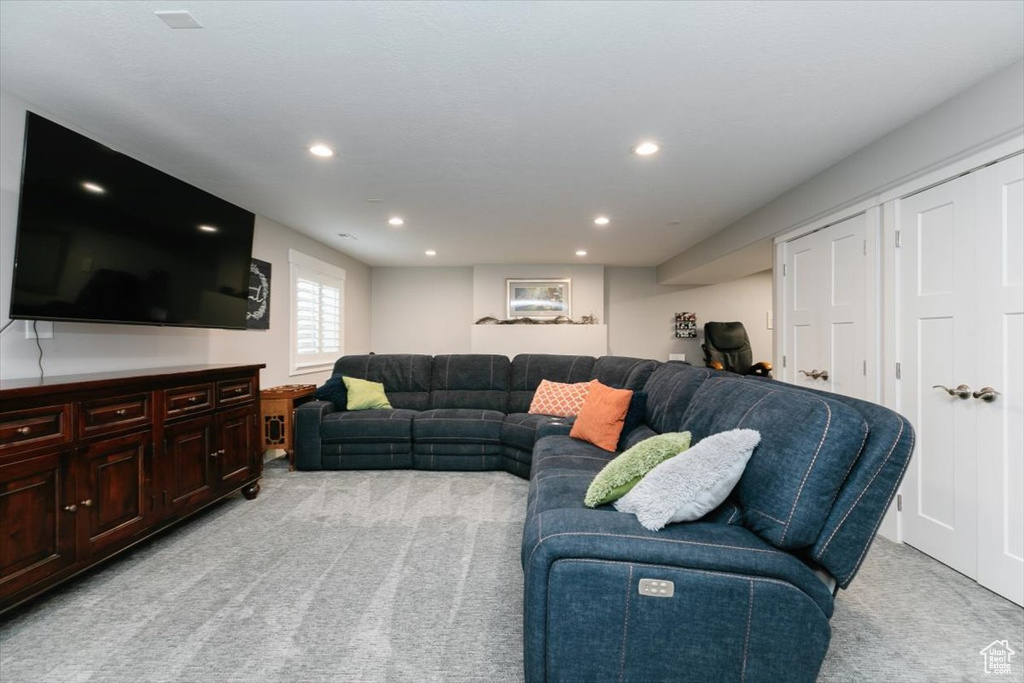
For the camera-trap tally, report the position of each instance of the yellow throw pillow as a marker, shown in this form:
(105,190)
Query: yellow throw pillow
(365,395)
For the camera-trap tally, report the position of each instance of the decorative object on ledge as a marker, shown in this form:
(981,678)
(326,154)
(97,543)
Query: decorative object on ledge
(257,317)
(557,320)
(686,325)
(538,298)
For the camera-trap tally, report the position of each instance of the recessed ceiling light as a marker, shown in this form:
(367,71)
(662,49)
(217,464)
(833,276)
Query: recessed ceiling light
(396,221)
(581,252)
(93,187)
(430,252)
(208,228)
(645,148)
(321,150)
(602,220)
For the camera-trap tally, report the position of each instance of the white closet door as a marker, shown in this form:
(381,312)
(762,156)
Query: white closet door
(826,312)
(938,343)
(804,283)
(1000,349)
(844,309)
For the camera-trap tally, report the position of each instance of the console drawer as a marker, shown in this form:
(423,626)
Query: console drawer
(231,391)
(187,400)
(21,430)
(103,415)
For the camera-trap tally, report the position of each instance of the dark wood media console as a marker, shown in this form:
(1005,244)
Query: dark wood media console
(92,464)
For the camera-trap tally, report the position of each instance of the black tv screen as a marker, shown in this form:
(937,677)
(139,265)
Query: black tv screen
(105,238)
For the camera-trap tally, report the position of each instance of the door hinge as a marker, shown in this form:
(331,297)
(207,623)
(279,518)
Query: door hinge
(784,269)
(865,247)
(165,496)
(899,502)
(865,368)
(899,374)
(898,239)
(783,361)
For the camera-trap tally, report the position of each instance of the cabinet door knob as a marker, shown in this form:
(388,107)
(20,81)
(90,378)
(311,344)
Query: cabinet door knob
(193,399)
(23,430)
(71,508)
(214,454)
(86,503)
(986,394)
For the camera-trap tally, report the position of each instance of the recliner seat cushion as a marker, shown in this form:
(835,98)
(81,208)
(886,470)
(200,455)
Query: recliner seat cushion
(458,426)
(519,430)
(367,426)
(808,445)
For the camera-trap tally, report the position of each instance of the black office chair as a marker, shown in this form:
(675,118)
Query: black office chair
(727,347)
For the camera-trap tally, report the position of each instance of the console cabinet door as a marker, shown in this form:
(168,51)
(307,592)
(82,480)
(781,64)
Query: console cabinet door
(113,503)
(236,447)
(189,475)
(37,533)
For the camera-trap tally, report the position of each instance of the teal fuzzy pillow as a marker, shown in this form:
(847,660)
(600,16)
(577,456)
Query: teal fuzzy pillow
(621,474)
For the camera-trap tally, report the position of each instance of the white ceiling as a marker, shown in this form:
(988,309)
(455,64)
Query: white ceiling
(498,130)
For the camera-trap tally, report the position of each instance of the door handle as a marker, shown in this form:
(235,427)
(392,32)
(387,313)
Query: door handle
(962,391)
(86,503)
(986,394)
(815,374)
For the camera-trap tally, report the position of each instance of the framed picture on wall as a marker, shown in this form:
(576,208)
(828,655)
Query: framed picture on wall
(538,298)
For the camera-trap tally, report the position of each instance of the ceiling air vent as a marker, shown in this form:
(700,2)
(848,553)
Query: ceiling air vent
(179,18)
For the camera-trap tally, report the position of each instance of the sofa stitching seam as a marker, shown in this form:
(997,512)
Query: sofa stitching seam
(807,472)
(856,502)
(746,639)
(625,627)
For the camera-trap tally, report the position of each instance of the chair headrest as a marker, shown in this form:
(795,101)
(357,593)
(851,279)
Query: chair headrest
(726,336)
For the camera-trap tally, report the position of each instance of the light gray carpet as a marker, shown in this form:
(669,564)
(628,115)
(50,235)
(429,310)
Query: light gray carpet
(411,576)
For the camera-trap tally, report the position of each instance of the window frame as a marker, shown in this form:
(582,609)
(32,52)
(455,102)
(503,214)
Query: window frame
(308,267)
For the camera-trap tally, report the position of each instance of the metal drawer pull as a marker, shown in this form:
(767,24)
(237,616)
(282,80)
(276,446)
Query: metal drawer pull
(120,412)
(240,390)
(986,394)
(86,503)
(71,508)
(193,399)
(962,391)
(24,430)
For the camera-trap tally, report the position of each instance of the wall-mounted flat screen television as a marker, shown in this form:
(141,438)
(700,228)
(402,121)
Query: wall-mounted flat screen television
(105,238)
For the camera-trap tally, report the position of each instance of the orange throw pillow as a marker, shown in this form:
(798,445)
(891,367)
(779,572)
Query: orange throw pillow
(602,416)
(559,399)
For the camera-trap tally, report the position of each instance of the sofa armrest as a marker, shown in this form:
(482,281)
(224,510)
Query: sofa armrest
(733,594)
(605,534)
(308,416)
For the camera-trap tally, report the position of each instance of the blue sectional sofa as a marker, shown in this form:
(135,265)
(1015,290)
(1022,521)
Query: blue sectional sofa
(749,588)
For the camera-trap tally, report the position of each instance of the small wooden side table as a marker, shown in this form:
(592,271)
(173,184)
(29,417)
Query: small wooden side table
(277,409)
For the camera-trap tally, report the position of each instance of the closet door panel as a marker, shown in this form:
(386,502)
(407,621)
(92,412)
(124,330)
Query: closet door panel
(804,284)
(1000,343)
(937,341)
(845,310)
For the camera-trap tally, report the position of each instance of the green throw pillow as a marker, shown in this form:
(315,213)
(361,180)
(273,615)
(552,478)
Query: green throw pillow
(621,474)
(364,395)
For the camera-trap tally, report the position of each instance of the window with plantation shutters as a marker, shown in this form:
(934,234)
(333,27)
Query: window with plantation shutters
(318,313)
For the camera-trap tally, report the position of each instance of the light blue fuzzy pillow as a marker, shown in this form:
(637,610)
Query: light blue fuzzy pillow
(692,484)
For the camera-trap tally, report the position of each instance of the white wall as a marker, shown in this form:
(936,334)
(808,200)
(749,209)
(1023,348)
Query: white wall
(979,117)
(271,242)
(421,310)
(89,347)
(641,313)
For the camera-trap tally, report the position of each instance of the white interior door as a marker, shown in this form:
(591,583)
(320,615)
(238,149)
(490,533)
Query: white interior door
(844,308)
(826,311)
(804,278)
(1000,348)
(937,346)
